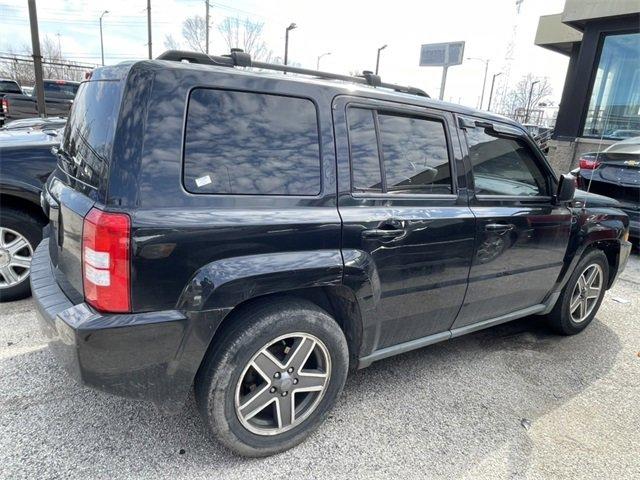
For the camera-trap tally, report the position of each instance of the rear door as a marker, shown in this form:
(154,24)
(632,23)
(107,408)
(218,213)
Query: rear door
(402,200)
(521,234)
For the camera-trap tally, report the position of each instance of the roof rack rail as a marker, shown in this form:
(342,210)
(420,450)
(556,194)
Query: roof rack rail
(238,58)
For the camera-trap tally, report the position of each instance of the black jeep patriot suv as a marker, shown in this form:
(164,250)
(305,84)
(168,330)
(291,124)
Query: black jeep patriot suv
(253,235)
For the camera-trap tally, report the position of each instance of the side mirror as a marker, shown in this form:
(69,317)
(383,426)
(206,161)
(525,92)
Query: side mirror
(566,188)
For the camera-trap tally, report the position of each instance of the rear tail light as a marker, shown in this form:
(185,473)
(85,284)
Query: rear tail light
(105,260)
(589,163)
(5,105)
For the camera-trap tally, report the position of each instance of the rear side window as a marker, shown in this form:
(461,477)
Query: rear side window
(392,153)
(60,89)
(504,166)
(7,86)
(88,137)
(251,144)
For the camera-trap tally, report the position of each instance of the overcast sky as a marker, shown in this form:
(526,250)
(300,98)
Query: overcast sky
(351,30)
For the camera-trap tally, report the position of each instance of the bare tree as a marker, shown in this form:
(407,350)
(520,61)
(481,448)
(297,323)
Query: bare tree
(517,99)
(194,31)
(171,43)
(55,65)
(248,36)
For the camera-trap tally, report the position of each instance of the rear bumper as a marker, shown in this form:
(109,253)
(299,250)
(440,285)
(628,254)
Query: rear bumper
(147,356)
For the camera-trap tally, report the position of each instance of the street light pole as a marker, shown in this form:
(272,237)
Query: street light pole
(286,42)
(319,57)
(206,16)
(149,28)
(526,120)
(378,57)
(101,43)
(493,81)
(484,81)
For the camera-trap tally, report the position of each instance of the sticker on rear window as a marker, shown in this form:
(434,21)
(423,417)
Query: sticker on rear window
(202,181)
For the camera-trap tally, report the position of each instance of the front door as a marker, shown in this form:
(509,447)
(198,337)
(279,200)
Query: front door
(404,211)
(521,234)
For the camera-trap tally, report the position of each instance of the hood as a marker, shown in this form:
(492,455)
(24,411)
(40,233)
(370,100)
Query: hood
(593,200)
(18,138)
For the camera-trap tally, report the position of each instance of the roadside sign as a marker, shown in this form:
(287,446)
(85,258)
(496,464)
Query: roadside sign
(441,54)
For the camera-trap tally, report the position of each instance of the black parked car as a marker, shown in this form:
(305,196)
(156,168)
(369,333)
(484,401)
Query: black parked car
(26,161)
(256,235)
(615,172)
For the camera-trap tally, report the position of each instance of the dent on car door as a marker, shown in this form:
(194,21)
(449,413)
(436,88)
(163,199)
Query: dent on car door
(403,212)
(521,234)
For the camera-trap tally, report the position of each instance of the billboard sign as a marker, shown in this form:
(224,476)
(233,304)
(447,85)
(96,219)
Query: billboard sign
(441,54)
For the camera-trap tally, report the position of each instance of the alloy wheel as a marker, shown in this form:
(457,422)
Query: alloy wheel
(282,384)
(15,258)
(586,293)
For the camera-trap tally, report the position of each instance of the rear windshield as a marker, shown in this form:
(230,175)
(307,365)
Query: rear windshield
(9,87)
(60,89)
(88,138)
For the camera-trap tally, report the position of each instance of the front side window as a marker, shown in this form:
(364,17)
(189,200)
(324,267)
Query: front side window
(504,166)
(251,144)
(614,107)
(414,158)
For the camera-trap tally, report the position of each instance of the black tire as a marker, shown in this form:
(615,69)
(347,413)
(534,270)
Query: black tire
(31,229)
(560,318)
(252,329)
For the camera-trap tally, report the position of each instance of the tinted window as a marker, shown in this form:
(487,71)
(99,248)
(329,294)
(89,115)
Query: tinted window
(60,89)
(88,136)
(504,166)
(365,163)
(250,143)
(415,155)
(9,87)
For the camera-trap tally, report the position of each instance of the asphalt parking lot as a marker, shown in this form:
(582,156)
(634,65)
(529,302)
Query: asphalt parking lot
(513,401)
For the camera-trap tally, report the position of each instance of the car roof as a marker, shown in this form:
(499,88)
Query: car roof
(339,87)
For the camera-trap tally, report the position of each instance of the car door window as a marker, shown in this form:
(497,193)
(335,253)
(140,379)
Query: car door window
(394,153)
(504,166)
(416,159)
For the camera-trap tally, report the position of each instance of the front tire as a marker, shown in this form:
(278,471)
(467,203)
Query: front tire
(271,379)
(582,295)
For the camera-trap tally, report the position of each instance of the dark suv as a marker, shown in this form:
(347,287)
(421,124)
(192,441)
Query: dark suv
(254,235)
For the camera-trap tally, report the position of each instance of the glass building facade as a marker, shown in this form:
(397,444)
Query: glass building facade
(614,106)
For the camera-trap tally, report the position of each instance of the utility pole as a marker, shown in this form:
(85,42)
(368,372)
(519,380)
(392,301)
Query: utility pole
(149,28)
(526,119)
(493,81)
(206,17)
(101,42)
(286,42)
(378,58)
(37,58)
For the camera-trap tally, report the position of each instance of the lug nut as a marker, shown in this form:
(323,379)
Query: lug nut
(290,369)
(284,394)
(295,381)
(273,390)
(276,375)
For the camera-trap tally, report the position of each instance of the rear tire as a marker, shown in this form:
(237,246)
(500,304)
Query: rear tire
(272,377)
(582,295)
(16,226)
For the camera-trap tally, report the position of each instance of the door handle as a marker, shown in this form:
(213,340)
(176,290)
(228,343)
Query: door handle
(498,227)
(382,233)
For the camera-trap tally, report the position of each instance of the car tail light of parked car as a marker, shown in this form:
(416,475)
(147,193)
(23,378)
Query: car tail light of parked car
(105,260)
(5,105)
(589,162)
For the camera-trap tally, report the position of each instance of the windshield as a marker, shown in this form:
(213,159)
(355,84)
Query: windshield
(7,86)
(60,89)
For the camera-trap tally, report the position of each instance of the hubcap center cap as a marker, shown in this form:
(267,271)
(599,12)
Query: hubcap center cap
(284,383)
(5,257)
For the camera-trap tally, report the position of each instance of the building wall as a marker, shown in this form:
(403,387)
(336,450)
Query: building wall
(564,155)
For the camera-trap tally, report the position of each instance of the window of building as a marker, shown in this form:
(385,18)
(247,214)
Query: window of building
(415,157)
(614,108)
(504,166)
(251,143)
